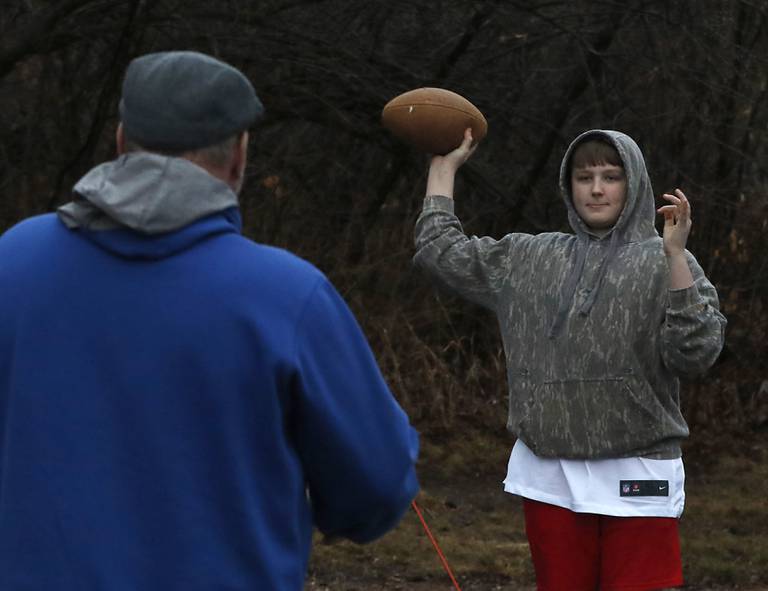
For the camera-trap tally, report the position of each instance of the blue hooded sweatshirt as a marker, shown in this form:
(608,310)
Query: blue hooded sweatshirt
(179,405)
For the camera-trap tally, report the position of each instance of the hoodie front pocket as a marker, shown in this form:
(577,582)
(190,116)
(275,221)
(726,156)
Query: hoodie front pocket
(593,418)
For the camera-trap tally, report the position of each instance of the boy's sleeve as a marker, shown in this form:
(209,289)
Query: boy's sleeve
(694,329)
(471,267)
(356,443)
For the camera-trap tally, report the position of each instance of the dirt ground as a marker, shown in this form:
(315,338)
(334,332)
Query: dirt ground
(724,529)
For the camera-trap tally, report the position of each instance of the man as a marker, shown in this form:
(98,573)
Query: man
(179,405)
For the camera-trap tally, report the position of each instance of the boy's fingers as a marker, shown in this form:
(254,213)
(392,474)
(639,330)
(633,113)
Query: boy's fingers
(686,203)
(466,148)
(466,143)
(681,206)
(670,214)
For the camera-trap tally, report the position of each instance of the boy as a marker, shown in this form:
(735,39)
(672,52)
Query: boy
(597,328)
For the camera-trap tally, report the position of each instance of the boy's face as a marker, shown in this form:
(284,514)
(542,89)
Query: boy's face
(599,193)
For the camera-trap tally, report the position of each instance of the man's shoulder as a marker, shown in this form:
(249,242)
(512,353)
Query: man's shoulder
(277,254)
(31,228)
(275,262)
(32,223)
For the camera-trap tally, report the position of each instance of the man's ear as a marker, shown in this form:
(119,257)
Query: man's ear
(239,159)
(120,139)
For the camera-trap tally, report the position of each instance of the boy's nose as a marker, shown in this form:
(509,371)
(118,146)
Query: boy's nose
(597,187)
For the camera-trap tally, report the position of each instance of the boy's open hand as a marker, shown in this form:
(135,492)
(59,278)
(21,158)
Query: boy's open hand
(677,222)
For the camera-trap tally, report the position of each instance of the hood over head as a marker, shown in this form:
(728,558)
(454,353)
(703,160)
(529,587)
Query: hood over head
(637,220)
(635,223)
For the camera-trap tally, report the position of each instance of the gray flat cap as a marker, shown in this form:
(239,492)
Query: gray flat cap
(184,100)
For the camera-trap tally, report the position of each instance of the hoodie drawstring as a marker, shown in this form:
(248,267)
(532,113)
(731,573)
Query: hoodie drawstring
(574,277)
(569,287)
(613,248)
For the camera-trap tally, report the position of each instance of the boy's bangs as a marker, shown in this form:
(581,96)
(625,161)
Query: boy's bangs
(595,152)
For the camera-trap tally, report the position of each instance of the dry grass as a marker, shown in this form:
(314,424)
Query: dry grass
(480,528)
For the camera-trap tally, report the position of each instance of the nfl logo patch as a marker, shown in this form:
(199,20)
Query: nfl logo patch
(625,488)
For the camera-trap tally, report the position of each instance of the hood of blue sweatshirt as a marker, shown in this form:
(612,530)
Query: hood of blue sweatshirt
(149,206)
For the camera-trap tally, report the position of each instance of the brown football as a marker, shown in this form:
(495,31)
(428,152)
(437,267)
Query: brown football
(433,120)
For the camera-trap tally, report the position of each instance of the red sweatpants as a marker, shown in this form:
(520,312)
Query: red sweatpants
(587,552)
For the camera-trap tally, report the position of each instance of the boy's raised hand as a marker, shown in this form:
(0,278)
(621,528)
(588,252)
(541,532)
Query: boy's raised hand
(453,160)
(442,169)
(677,222)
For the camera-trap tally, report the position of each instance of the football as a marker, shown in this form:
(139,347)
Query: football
(433,120)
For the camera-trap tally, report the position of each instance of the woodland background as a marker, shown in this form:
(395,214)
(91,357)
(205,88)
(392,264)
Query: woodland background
(687,79)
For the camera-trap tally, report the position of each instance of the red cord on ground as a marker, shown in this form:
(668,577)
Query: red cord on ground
(437,547)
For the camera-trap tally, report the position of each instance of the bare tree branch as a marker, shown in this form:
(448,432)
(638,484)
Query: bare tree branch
(41,31)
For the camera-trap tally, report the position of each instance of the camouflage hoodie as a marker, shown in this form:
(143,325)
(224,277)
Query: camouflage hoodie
(595,340)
